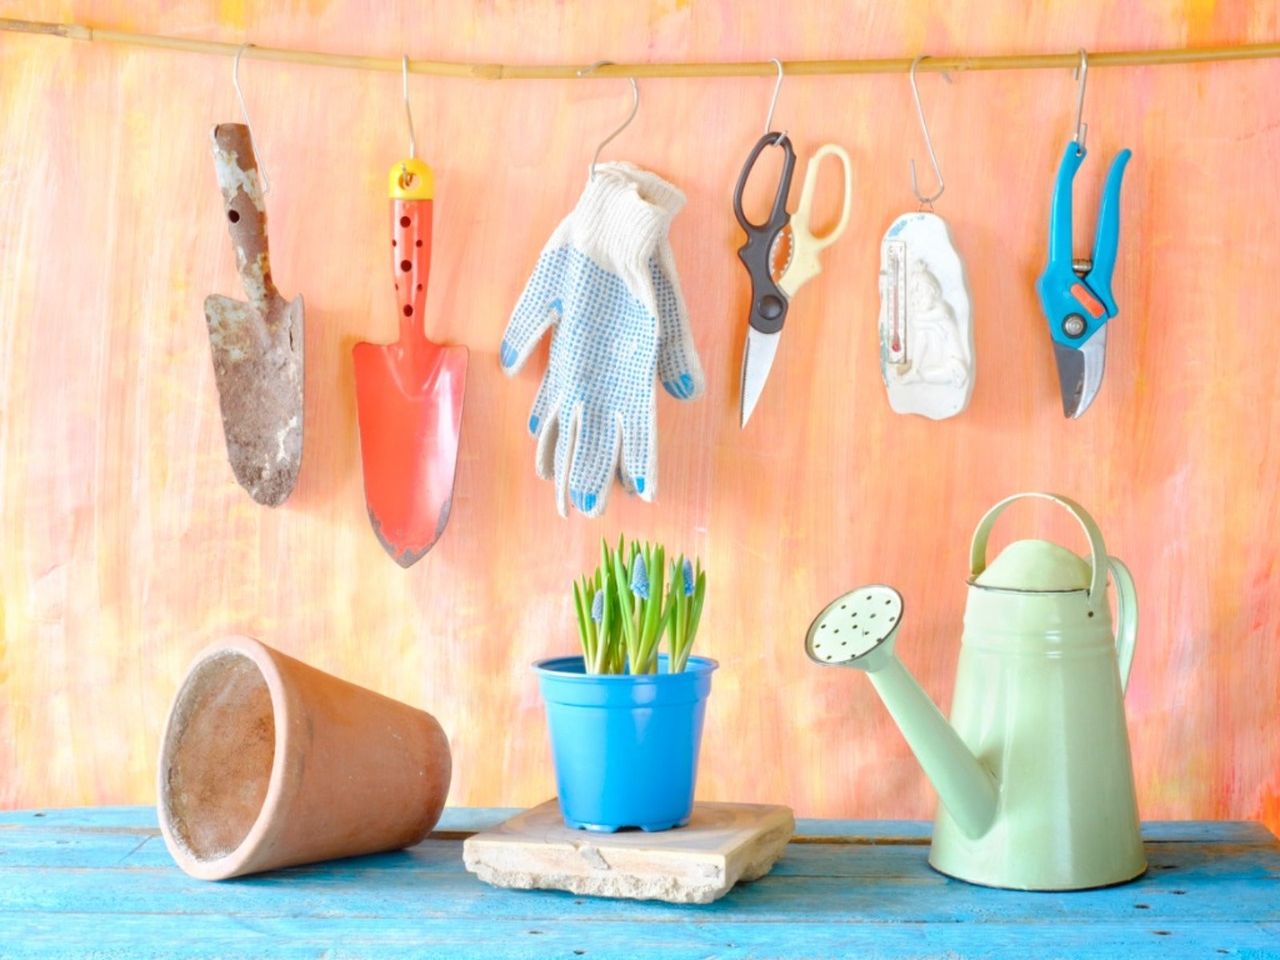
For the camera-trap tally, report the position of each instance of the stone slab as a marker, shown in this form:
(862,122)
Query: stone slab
(723,843)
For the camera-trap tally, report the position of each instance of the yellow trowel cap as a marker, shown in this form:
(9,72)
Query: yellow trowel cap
(411,180)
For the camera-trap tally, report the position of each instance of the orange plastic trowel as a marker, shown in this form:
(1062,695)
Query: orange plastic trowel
(409,393)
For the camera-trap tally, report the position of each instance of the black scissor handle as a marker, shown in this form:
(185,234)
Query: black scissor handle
(768,302)
(778,216)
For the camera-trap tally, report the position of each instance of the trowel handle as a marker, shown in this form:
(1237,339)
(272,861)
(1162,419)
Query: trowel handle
(411,263)
(236,167)
(411,185)
(1097,585)
(1126,618)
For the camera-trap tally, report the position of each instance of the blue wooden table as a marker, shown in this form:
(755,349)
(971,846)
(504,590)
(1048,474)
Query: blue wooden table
(99,883)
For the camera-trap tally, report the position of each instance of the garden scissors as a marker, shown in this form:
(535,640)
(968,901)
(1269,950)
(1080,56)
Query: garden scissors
(1076,295)
(781,255)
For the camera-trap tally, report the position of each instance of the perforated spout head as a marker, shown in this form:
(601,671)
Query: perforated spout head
(857,629)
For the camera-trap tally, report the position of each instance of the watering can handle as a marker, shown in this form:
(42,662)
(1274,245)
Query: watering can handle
(1098,585)
(1126,618)
(1126,595)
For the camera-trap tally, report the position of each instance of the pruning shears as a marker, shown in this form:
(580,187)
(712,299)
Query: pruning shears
(1076,295)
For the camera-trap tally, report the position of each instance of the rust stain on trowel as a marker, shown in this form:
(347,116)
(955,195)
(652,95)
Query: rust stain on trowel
(408,556)
(257,346)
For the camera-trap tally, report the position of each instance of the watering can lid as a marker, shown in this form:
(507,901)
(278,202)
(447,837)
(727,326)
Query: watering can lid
(1036,566)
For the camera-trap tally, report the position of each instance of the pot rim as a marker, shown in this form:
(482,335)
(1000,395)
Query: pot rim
(694,666)
(268,817)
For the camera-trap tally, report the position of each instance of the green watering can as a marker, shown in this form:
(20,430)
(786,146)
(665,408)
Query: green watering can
(1033,770)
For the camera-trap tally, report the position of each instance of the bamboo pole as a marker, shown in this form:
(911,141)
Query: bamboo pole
(794,68)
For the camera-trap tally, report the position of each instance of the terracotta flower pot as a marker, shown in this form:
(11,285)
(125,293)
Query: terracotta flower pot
(267,762)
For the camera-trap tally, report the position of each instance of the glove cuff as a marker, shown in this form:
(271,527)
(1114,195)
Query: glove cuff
(618,220)
(652,187)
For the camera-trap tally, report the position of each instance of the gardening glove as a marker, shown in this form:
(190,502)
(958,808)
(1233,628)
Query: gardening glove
(606,281)
(678,366)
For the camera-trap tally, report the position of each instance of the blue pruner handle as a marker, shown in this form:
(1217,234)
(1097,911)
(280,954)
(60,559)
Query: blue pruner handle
(1060,228)
(1108,239)
(1077,307)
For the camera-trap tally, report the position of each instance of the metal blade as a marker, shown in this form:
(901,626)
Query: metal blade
(757,361)
(258,364)
(1095,361)
(1080,373)
(409,414)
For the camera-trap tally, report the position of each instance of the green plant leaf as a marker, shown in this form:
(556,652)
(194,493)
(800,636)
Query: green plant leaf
(586,629)
(608,629)
(695,610)
(667,620)
(649,614)
(622,591)
(631,628)
(679,626)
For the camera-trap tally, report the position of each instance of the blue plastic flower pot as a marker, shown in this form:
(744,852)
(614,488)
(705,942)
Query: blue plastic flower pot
(625,747)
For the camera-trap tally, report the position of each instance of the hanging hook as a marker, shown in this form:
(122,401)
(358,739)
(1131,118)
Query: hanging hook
(406,178)
(408,113)
(235,82)
(1081,75)
(635,107)
(928,140)
(777,89)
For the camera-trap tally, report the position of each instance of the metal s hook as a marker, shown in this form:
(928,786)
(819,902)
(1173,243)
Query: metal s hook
(1082,76)
(773,104)
(406,178)
(235,82)
(408,113)
(928,141)
(635,107)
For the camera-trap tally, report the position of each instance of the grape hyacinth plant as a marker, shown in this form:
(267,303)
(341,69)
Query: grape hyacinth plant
(634,599)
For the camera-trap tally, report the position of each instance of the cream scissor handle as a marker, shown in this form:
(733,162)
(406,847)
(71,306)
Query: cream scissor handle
(805,247)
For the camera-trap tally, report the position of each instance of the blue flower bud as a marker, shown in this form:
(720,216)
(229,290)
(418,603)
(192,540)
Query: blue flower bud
(597,607)
(688,578)
(640,577)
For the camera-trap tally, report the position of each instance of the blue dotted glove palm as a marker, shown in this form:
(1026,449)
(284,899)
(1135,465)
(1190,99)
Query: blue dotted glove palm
(606,283)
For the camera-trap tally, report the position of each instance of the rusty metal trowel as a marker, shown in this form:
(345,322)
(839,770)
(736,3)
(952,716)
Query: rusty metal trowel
(257,346)
(409,393)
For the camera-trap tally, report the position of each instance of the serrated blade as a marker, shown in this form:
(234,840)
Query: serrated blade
(1080,372)
(757,361)
(780,253)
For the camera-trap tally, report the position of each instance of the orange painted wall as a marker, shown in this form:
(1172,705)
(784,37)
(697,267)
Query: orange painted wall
(126,544)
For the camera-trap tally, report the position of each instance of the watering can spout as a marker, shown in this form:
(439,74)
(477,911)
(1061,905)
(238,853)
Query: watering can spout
(967,789)
(860,630)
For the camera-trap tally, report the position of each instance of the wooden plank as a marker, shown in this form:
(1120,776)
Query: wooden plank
(889,883)
(96,818)
(111,850)
(74,883)
(114,844)
(464,820)
(452,819)
(137,937)
(919,831)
